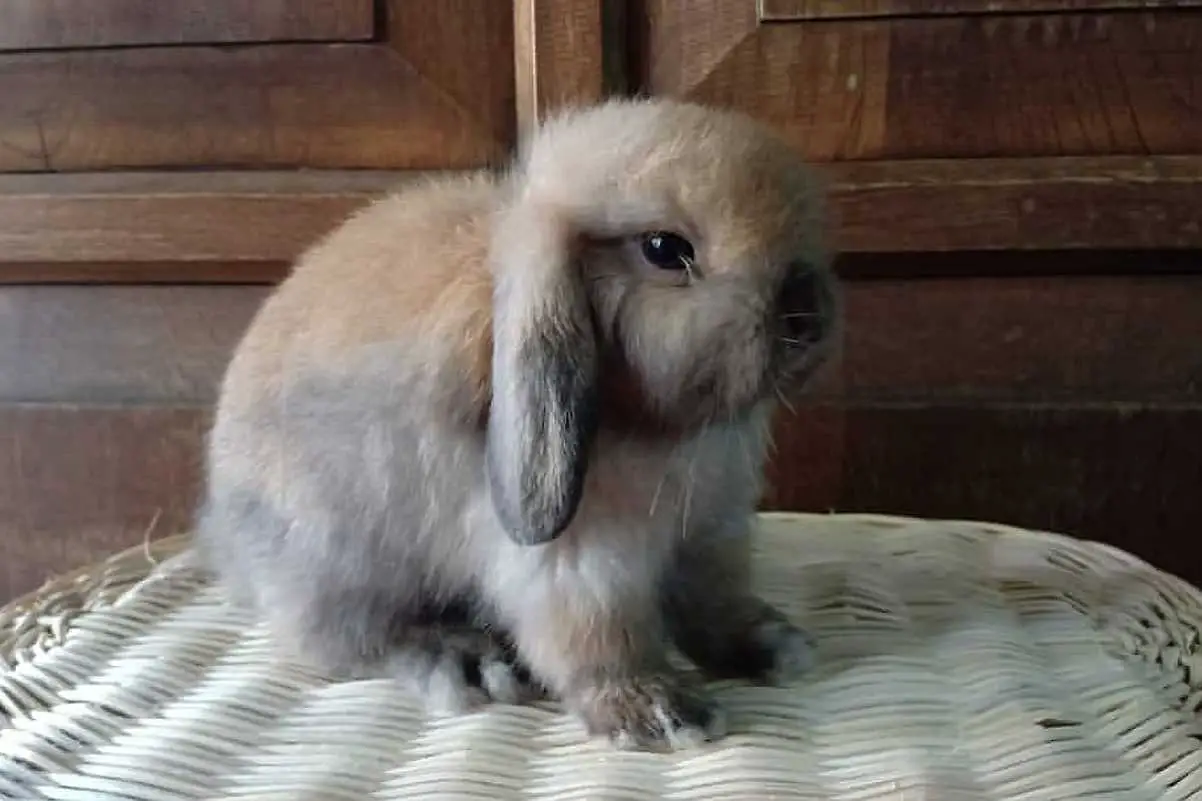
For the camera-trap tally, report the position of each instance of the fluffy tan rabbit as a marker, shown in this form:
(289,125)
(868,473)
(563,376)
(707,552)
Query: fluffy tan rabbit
(503,434)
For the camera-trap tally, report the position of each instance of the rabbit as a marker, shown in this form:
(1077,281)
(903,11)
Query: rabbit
(500,436)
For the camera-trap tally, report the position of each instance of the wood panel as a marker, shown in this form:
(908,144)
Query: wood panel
(119,344)
(946,87)
(1017,204)
(103,273)
(245,226)
(920,265)
(411,101)
(797,10)
(80,482)
(1127,474)
(177,217)
(1054,338)
(54,24)
(558,51)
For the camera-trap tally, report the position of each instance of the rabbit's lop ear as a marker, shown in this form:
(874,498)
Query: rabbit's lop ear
(543,413)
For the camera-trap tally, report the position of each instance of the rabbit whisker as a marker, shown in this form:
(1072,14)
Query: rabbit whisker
(688,483)
(659,488)
(783,400)
(799,315)
(769,435)
(745,446)
(688,505)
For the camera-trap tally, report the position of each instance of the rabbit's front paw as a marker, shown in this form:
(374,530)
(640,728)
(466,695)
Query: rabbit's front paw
(784,651)
(655,713)
(462,669)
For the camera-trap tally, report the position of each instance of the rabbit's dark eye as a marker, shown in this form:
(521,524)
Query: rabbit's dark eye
(667,251)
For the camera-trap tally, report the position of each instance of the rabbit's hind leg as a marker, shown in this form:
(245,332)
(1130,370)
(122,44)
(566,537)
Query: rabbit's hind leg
(448,661)
(458,667)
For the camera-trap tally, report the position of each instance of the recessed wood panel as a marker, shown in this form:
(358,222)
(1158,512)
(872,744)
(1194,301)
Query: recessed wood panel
(246,226)
(116,273)
(252,216)
(80,482)
(559,53)
(939,87)
(1127,474)
(800,10)
(57,24)
(120,344)
(1080,338)
(1017,204)
(411,101)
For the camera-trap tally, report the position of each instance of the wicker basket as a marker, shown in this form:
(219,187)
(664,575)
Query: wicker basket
(957,662)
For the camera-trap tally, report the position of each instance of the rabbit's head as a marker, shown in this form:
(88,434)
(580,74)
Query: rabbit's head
(659,266)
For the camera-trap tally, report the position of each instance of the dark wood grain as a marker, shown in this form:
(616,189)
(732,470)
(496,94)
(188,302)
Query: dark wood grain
(799,10)
(119,344)
(558,51)
(78,483)
(164,218)
(246,226)
(81,482)
(1042,339)
(939,87)
(108,273)
(1126,474)
(464,50)
(410,101)
(1092,203)
(54,24)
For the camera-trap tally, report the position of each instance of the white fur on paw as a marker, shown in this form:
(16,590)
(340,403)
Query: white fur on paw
(624,740)
(792,648)
(500,682)
(685,737)
(448,694)
(717,727)
(676,734)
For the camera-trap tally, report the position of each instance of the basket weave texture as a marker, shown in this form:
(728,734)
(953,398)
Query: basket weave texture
(957,662)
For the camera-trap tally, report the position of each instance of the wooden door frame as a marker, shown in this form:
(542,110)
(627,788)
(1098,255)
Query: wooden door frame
(566,52)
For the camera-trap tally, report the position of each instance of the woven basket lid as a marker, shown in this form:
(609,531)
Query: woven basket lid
(957,662)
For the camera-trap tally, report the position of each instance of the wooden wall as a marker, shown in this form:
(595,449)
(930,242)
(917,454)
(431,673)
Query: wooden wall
(1015,197)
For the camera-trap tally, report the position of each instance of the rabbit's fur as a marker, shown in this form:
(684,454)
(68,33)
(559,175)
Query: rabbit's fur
(476,431)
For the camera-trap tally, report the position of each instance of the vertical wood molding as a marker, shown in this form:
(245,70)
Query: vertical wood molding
(565,52)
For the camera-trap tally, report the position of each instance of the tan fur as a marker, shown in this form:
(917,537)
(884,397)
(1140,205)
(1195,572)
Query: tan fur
(476,405)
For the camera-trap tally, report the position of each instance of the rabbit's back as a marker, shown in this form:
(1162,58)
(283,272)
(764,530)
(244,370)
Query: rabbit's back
(346,442)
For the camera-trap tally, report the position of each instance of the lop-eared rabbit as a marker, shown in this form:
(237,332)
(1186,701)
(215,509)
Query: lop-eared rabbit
(503,435)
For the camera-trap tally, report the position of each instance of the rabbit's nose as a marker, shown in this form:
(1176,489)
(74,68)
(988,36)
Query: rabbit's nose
(804,306)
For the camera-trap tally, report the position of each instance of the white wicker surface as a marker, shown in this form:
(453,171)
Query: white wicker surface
(958,662)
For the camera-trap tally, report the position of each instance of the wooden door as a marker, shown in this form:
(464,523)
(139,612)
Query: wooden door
(140,84)
(160,164)
(883,80)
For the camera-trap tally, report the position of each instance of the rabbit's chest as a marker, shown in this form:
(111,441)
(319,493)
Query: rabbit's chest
(660,491)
